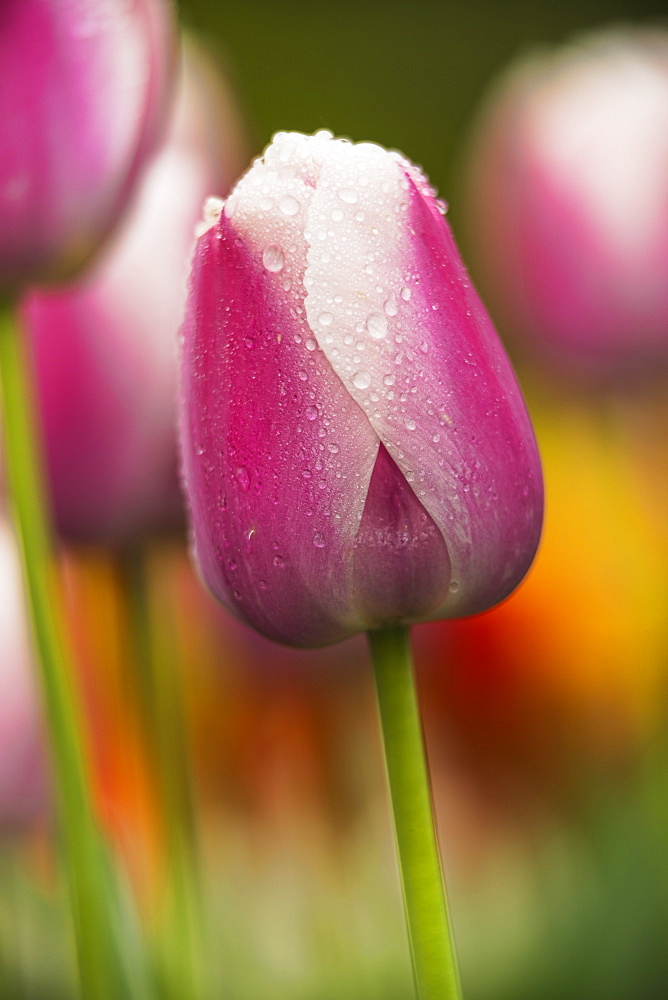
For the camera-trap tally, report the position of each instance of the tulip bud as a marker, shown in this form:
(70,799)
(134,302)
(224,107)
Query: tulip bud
(22,765)
(356,451)
(568,198)
(105,347)
(82,87)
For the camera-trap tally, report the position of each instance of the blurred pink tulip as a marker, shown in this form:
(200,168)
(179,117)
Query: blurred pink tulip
(105,348)
(568,196)
(82,90)
(22,766)
(356,450)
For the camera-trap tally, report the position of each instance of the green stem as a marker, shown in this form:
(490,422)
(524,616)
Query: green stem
(430,935)
(88,875)
(180,935)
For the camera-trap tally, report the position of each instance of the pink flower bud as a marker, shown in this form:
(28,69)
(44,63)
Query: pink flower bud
(82,87)
(356,450)
(568,196)
(105,348)
(22,766)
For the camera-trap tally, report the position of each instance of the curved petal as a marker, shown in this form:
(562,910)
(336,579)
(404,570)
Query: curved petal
(276,454)
(402,567)
(409,338)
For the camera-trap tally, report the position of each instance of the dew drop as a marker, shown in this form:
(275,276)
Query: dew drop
(319,540)
(410,425)
(273,259)
(288,205)
(302,375)
(454,586)
(376,324)
(391,307)
(361,380)
(405,293)
(311,412)
(390,379)
(325,319)
(333,448)
(311,344)
(278,561)
(348,196)
(359,216)
(337,215)
(242,477)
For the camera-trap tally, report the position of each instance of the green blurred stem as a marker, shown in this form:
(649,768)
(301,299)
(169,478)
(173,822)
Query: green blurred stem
(180,932)
(430,935)
(88,876)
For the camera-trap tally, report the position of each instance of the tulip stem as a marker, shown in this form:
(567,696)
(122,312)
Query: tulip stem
(181,927)
(430,936)
(86,864)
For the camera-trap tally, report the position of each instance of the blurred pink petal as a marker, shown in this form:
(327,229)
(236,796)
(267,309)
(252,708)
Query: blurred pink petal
(105,348)
(568,199)
(82,93)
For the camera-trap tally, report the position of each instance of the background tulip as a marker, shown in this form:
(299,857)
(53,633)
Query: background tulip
(82,89)
(105,347)
(356,449)
(568,199)
(22,770)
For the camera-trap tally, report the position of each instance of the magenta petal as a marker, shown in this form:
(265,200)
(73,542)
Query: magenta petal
(464,437)
(393,309)
(276,455)
(402,567)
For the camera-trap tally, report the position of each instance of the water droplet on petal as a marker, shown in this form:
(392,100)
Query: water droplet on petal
(288,205)
(391,307)
(242,477)
(319,540)
(311,412)
(348,196)
(376,324)
(325,319)
(273,259)
(410,425)
(311,344)
(405,293)
(361,380)
(454,586)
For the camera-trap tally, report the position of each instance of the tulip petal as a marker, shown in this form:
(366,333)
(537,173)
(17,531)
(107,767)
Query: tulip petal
(402,567)
(410,340)
(277,455)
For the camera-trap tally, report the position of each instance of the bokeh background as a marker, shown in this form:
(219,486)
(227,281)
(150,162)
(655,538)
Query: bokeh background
(545,718)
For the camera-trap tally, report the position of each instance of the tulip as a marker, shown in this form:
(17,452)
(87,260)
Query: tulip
(356,450)
(105,347)
(22,770)
(82,88)
(568,200)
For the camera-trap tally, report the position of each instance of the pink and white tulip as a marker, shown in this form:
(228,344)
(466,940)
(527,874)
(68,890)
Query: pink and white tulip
(356,450)
(23,792)
(568,196)
(105,348)
(82,92)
